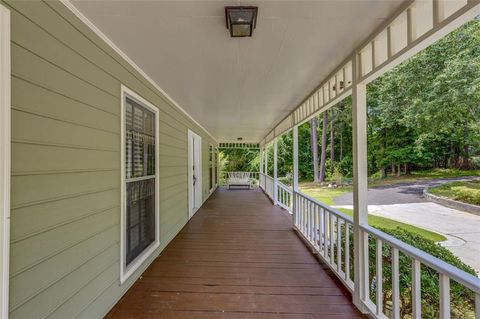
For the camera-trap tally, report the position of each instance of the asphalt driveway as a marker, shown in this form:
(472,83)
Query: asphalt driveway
(405,203)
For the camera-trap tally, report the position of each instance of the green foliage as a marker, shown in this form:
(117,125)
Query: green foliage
(468,192)
(242,160)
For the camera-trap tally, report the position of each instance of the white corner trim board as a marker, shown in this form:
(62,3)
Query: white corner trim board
(4,158)
(107,40)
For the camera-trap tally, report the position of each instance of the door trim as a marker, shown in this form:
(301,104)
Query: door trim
(5,90)
(193,207)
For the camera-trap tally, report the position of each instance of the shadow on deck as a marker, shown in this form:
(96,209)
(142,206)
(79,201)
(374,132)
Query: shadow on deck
(238,257)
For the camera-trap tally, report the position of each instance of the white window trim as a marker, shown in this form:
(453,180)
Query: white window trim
(4,158)
(126,272)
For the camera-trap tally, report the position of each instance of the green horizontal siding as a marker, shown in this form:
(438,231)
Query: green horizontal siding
(65,217)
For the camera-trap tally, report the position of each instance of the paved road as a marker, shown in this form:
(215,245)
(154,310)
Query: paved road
(399,193)
(405,203)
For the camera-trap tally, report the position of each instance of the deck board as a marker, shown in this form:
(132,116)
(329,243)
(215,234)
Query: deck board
(238,257)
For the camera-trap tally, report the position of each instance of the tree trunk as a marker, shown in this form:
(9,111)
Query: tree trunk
(399,170)
(465,155)
(393,168)
(323,155)
(332,140)
(314,148)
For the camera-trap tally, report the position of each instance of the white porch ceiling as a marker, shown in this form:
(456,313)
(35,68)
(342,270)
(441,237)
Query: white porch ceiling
(237,87)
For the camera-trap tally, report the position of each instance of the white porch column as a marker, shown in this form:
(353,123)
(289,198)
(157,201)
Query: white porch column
(275,175)
(295,174)
(360,187)
(261,161)
(266,160)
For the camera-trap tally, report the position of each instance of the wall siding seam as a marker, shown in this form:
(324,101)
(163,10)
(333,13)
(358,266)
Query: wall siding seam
(59,251)
(59,41)
(43,86)
(64,171)
(64,70)
(32,82)
(104,290)
(140,78)
(172,156)
(173,127)
(173,166)
(60,145)
(172,175)
(68,196)
(64,223)
(169,186)
(88,282)
(168,146)
(181,140)
(62,120)
(46,286)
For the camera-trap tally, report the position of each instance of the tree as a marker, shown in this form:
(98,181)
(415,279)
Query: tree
(323,154)
(314,147)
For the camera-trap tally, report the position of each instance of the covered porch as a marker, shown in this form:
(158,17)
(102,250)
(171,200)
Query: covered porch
(238,257)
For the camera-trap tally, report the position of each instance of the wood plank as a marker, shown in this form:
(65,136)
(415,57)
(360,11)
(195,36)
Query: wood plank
(238,257)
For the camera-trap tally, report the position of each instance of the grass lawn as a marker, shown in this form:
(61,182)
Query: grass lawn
(326,195)
(467,192)
(422,175)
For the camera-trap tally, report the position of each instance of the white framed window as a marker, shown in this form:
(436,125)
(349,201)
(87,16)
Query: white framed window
(4,158)
(140,216)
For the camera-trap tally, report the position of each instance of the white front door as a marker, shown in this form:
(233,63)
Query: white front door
(194,173)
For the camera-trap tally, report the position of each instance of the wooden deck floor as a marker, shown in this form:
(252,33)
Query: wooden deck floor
(238,257)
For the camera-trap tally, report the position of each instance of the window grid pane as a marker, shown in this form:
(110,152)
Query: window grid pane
(139,178)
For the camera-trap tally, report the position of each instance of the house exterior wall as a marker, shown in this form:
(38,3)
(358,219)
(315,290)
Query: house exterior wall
(65,187)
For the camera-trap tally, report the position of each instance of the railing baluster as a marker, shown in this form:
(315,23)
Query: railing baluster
(416,289)
(303,215)
(395,284)
(332,246)
(317,226)
(339,244)
(379,273)
(347,251)
(444,296)
(325,232)
(312,222)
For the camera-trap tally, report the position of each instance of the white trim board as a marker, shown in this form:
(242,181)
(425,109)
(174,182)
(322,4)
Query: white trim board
(124,56)
(127,271)
(4,158)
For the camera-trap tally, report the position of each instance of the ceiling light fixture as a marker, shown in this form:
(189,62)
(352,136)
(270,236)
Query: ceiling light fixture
(241,20)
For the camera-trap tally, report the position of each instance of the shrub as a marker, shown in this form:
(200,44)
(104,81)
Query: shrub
(468,192)
(462,299)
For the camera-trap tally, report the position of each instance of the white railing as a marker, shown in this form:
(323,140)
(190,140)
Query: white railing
(269,186)
(446,274)
(262,181)
(330,233)
(284,196)
(254,176)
